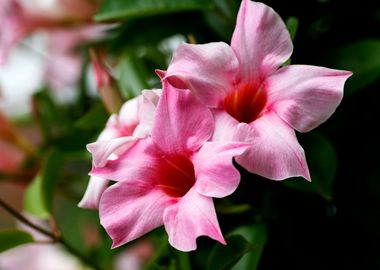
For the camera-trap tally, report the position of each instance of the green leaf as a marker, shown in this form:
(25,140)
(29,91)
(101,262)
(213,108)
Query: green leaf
(222,19)
(322,163)
(33,202)
(362,58)
(72,143)
(134,75)
(38,198)
(224,257)
(94,119)
(183,260)
(52,166)
(50,117)
(121,9)
(292,25)
(13,238)
(257,236)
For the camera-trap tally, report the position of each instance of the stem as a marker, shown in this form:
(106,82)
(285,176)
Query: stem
(55,237)
(26,221)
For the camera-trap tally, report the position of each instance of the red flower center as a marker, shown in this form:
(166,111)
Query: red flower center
(245,102)
(176,175)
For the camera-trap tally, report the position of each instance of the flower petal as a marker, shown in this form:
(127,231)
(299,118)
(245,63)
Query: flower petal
(182,123)
(130,210)
(94,191)
(260,40)
(103,150)
(129,115)
(216,175)
(275,151)
(139,162)
(193,216)
(225,125)
(306,96)
(208,70)
(147,108)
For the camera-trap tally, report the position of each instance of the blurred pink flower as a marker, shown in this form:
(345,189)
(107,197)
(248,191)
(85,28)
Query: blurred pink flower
(63,61)
(134,122)
(107,86)
(66,29)
(38,256)
(253,98)
(135,256)
(171,177)
(16,23)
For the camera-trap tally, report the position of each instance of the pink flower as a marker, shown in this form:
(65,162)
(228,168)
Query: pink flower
(65,35)
(134,122)
(253,98)
(62,54)
(15,24)
(136,256)
(171,177)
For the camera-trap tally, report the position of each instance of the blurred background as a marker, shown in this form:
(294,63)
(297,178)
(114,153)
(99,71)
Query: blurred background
(51,106)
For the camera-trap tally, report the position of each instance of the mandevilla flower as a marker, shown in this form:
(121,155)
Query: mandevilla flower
(170,177)
(253,98)
(122,131)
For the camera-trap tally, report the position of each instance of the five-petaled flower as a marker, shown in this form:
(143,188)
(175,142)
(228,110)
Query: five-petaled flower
(254,99)
(170,177)
(134,122)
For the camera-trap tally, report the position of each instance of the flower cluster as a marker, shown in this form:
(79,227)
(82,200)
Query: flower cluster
(171,153)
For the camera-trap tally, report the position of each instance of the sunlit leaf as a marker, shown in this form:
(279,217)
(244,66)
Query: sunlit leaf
(362,58)
(13,238)
(33,202)
(38,198)
(224,257)
(121,9)
(322,161)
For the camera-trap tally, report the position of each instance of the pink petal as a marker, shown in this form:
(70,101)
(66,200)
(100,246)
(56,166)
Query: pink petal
(129,115)
(102,150)
(193,216)
(225,126)
(94,191)
(130,210)
(306,96)
(216,175)
(139,162)
(148,103)
(14,27)
(182,122)
(275,151)
(206,69)
(260,41)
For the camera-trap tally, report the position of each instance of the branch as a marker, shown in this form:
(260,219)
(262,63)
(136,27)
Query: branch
(54,236)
